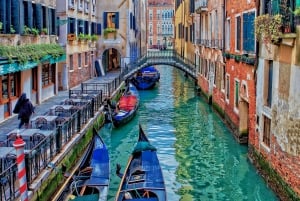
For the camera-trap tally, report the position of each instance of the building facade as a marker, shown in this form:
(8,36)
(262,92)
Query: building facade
(250,78)
(160,27)
(78,32)
(277,135)
(29,53)
(119,42)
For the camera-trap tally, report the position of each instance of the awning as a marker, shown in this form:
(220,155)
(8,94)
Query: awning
(6,67)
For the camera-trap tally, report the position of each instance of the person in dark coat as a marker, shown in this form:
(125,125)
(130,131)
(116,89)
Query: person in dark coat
(24,109)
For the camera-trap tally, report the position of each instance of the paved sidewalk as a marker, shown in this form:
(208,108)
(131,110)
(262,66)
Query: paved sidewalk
(11,123)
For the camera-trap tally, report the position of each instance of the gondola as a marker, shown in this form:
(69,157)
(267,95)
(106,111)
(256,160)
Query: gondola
(92,180)
(143,179)
(146,78)
(126,107)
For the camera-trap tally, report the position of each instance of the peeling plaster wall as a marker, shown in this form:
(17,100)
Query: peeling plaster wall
(286,113)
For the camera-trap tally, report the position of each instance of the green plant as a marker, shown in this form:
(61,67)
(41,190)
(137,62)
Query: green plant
(1,26)
(12,30)
(44,31)
(27,30)
(33,52)
(82,36)
(110,30)
(35,31)
(268,28)
(297,11)
(94,37)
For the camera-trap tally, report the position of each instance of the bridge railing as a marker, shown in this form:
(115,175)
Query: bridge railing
(170,57)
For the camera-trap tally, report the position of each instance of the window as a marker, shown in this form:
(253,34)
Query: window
(158,14)
(268,83)
(111,20)
(238,33)
(80,5)
(267,131)
(227,91)
(86,7)
(223,77)
(150,29)
(10,15)
(48,74)
(9,85)
(34,78)
(71,62)
(86,58)
(150,15)
(79,60)
(236,94)
(227,34)
(248,32)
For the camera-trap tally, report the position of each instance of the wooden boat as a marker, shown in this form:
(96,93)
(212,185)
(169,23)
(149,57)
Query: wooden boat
(146,78)
(143,178)
(126,107)
(92,181)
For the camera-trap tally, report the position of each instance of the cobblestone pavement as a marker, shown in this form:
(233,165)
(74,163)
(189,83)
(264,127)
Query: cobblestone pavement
(11,123)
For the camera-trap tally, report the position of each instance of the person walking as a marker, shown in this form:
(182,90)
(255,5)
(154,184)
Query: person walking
(24,109)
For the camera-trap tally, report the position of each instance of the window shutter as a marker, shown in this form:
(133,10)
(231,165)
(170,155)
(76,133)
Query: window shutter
(29,11)
(3,14)
(117,20)
(86,27)
(99,29)
(251,36)
(245,31)
(275,6)
(133,23)
(50,20)
(130,20)
(38,16)
(104,20)
(297,3)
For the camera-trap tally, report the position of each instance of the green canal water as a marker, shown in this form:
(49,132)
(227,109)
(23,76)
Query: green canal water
(199,156)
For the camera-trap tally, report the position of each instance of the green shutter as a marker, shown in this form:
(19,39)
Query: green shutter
(275,6)
(297,3)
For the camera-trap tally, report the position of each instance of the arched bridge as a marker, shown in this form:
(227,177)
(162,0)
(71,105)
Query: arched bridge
(164,57)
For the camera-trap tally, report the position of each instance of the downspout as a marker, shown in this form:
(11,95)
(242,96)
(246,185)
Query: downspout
(257,48)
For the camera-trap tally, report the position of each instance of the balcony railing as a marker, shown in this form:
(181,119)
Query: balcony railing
(215,43)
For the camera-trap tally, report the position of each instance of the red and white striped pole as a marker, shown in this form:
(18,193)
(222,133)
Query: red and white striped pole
(19,145)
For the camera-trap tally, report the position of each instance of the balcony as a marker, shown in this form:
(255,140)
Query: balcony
(215,43)
(201,6)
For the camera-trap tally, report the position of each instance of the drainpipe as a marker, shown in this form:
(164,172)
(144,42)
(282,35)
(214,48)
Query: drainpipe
(257,47)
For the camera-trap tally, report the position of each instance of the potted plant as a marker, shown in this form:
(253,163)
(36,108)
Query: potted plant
(27,30)
(94,37)
(44,31)
(35,31)
(268,28)
(81,37)
(107,31)
(12,29)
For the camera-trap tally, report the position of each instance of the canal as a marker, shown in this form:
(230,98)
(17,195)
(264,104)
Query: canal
(199,156)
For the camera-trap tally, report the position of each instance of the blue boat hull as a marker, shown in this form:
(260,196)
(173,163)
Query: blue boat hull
(143,179)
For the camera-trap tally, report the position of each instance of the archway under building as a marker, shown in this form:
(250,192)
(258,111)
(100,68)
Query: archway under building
(111,60)
(244,117)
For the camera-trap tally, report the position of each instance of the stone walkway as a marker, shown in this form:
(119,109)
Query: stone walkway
(11,123)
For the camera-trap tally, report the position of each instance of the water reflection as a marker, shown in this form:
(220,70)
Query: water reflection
(200,158)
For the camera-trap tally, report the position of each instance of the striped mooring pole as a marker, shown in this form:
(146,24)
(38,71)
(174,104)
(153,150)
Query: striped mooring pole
(19,145)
